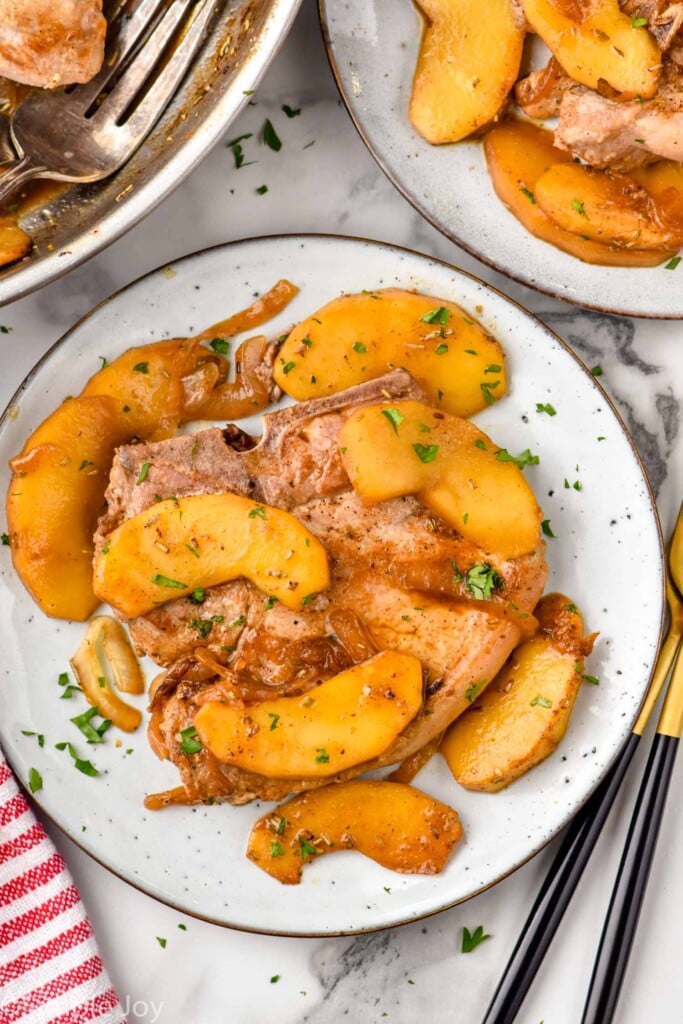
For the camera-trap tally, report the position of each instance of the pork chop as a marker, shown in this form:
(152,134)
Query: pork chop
(51,42)
(393,584)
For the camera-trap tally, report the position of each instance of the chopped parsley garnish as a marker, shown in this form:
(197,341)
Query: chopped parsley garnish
(220,345)
(164,581)
(193,551)
(470,940)
(183,927)
(142,475)
(426,452)
(307,342)
(276,849)
(261,190)
(597,370)
(6,330)
(441,349)
(530,196)
(486,389)
(482,580)
(271,137)
(83,723)
(39,736)
(440,315)
(280,825)
(493,368)
(572,608)
(525,459)
(577,485)
(239,621)
(547,529)
(270,603)
(424,429)
(274,720)
(105,547)
(638,22)
(673,262)
(480,444)
(141,368)
(546,407)
(161,941)
(306,849)
(198,595)
(237,151)
(472,692)
(321,756)
(309,599)
(274,979)
(541,702)
(288,367)
(35,780)
(85,464)
(290,111)
(83,766)
(359,347)
(189,741)
(203,626)
(394,417)
(578,206)
(69,688)
(258,512)
(5,539)
(593,680)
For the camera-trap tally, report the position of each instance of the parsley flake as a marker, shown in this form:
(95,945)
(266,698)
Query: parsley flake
(593,680)
(546,407)
(321,756)
(525,459)
(271,137)
(394,417)
(472,692)
(470,940)
(220,345)
(530,196)
(359,347)
(141,368)
(290,111)
(673,263)
(426,452)
(142,475)
(547,529)
(257,512)
(579,207)
(164,581)
(482,581)
(189,741)
(440,315)
(35,780)
(541,702)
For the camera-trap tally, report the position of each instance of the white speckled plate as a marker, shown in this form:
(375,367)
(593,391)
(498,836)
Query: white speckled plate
(608,538)
(373,47)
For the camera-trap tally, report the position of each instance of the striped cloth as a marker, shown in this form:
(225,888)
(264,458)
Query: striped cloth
(50,970)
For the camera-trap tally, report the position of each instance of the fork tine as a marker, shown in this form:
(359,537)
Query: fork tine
(140,70)
(122,43)
(150,108)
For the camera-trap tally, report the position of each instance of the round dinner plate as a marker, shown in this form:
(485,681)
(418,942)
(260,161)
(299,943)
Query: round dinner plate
(607,558)
(373,47)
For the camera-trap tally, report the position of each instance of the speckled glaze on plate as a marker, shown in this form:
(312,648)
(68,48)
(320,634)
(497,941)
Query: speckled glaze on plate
(608,537)
(373,47)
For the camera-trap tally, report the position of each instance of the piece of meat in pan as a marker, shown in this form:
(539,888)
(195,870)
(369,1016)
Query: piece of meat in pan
(392,586)
(51,42)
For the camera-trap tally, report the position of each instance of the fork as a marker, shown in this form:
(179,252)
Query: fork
(85,133)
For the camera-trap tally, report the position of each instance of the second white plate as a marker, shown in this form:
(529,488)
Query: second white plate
(373,47)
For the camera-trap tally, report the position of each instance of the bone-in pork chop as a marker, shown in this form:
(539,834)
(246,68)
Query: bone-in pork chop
(51,42)
(394,585)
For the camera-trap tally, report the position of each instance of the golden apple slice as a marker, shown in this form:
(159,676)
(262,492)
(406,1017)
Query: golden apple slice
(395,825)
(611,208)
(596,42)
(517,155)
(523,714)
(359,337)
(175,546)
(347,720)
(399,448)
(466,67)
(55,496)
(14,243)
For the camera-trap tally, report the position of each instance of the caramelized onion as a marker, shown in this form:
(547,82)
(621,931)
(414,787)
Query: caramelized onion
(168,798)
(409,768)
(247,394)
(353,634)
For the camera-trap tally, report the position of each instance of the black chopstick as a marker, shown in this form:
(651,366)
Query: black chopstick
(629,889)
(556,892)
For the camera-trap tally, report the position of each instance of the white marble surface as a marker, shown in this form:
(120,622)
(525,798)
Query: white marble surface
(210,975)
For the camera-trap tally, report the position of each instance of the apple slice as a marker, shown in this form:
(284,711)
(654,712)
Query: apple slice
(395,825)
(359,337)
(399,448)
(180,544)
(345,721)
(523,714)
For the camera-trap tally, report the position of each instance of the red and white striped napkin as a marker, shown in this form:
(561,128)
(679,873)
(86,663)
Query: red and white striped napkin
(50,969)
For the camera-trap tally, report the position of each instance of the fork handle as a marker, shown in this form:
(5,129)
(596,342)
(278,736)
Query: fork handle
(17,174)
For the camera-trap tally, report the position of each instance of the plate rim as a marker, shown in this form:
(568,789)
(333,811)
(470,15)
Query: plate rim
(333,237)
(412,198)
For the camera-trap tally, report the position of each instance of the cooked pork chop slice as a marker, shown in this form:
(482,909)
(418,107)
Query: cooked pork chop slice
(51,42)
(621,136)
(392,569)
(664,18)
